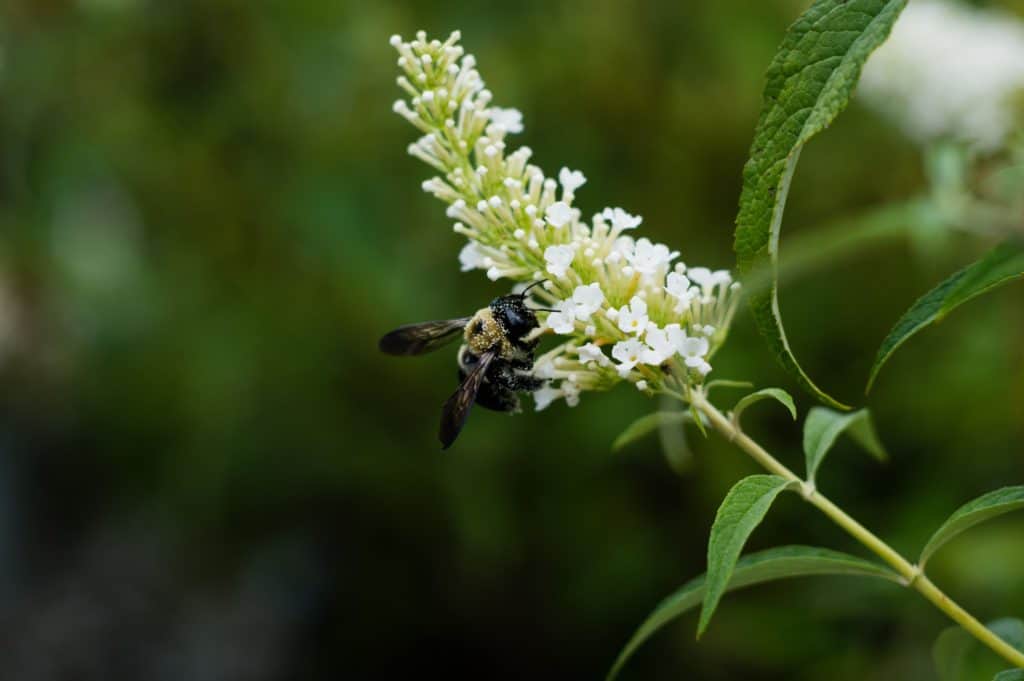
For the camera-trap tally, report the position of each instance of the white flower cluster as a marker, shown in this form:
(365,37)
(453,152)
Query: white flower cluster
(660,320)
(950,70)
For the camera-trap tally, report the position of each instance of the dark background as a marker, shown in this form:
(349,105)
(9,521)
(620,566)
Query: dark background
(207,471)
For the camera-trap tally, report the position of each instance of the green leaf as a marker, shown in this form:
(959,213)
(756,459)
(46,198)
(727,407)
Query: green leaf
(1010,629)
(764,566)
(648,424)
(698,420)
(674,445)
(743,510)
(1001,265)
(1010,675)
(777,394)
(823,425)
(809,83)
(950,653)
(983,508)
(958,656)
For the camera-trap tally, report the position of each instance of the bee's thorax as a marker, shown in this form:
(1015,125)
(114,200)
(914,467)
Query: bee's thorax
(483,333)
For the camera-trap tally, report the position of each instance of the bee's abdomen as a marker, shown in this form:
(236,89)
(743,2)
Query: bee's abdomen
(467,361)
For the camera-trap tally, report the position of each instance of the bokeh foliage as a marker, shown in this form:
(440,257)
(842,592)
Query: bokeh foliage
(207,218)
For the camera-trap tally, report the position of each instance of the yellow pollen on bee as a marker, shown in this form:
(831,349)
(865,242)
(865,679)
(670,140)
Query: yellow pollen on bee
(483,333)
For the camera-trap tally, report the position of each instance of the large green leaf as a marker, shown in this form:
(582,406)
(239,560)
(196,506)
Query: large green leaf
(985,507)
(809,83)
(764,566)
(823,425)
(1002,264)
(958,656)
(743,510)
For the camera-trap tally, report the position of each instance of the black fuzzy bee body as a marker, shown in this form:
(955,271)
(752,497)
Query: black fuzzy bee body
(495,361)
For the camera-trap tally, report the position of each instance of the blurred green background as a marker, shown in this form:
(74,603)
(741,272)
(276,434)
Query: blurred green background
(207,471)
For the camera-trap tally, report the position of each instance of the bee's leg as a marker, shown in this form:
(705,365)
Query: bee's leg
(528,383)
(502,374)
(498,398)
(514,375)
(521,363)
(526,347)
(497,391)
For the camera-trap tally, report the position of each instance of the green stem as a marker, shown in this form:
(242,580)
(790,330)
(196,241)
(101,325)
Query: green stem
(912,574)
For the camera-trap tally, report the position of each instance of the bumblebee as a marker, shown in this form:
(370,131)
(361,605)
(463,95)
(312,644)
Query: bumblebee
(495,360)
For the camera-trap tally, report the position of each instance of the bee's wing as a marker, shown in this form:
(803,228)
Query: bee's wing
(456,409)
(416,339)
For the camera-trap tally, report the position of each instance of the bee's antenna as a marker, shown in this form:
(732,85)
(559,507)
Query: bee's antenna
(522,294)
(536,283)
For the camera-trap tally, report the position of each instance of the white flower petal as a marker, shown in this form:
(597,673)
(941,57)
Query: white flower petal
(571,180)
(543,397)
(678,286)
(510,119)
(558,259)
(544,369)
(587,300)
(659,346)
(648,257)
(633,318)
(592,353)
(471,257)
(562,322)
(558,214)
(620,219)
(628,354)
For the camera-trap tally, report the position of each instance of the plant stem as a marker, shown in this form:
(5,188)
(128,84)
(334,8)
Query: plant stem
(912,574)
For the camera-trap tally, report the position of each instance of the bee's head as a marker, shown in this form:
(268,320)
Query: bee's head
(512,313)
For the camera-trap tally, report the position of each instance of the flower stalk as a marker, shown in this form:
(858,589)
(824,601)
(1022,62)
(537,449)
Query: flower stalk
(913,576)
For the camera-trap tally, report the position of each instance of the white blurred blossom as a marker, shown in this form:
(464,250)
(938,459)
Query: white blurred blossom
(949,70)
